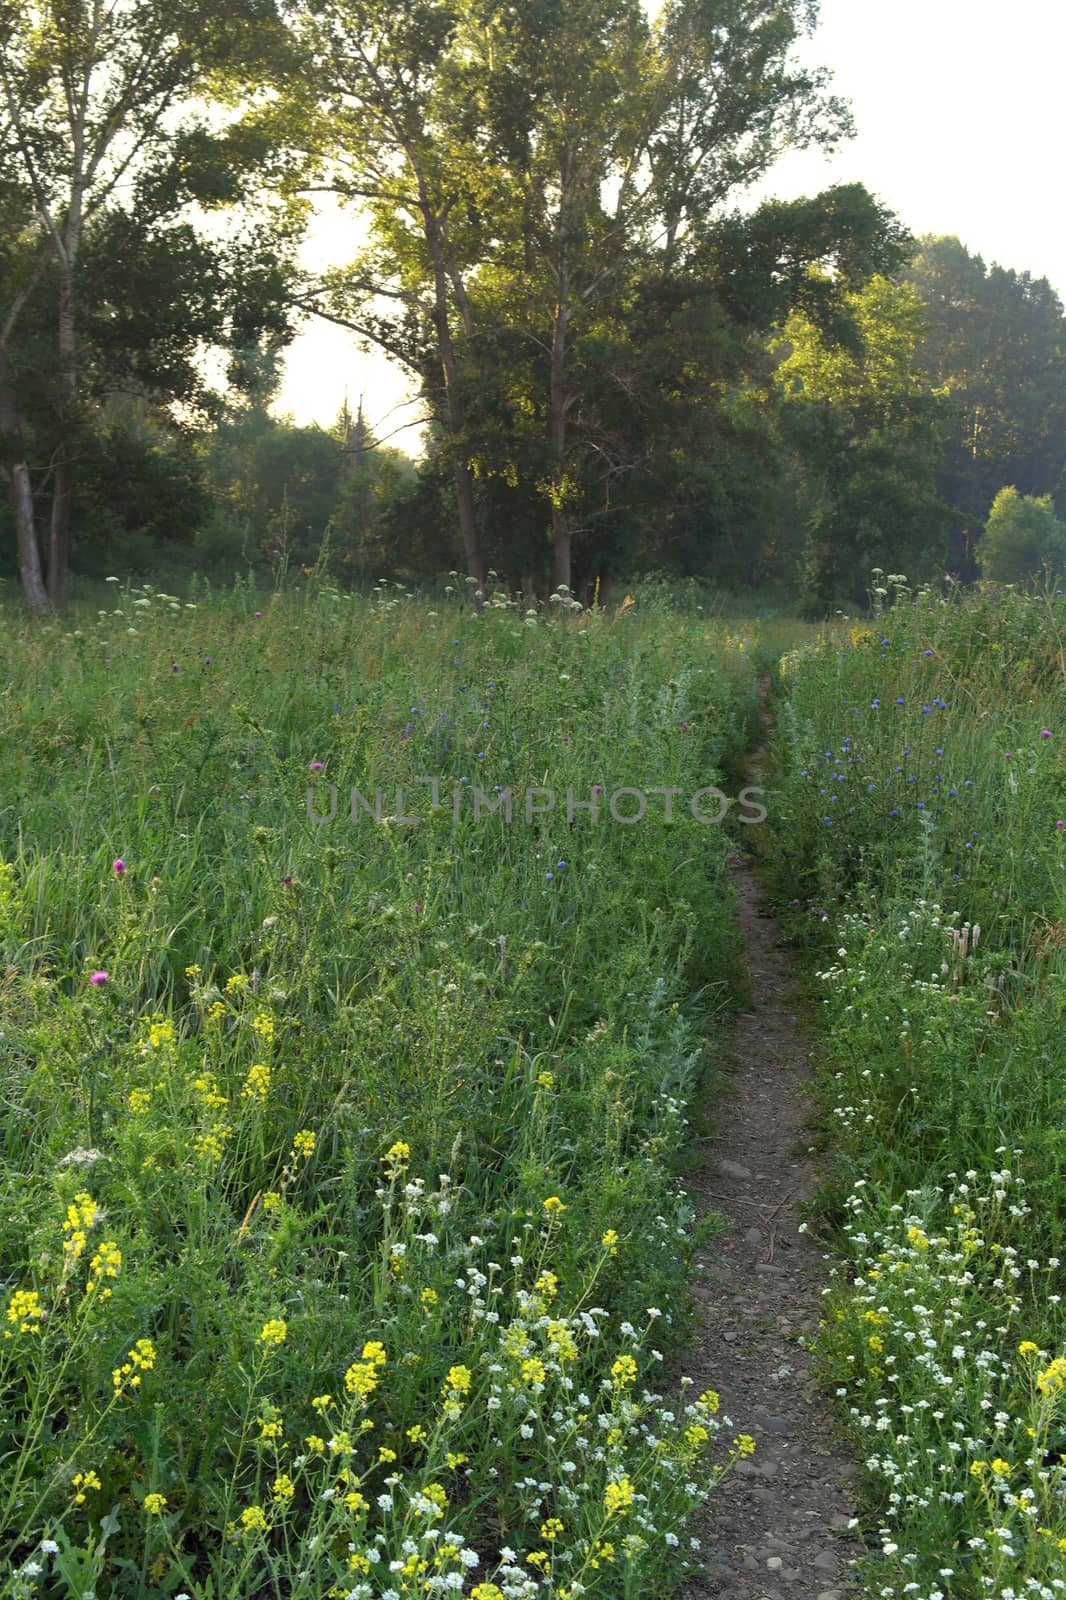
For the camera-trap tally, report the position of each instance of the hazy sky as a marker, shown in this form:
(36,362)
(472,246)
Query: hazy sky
(959,130)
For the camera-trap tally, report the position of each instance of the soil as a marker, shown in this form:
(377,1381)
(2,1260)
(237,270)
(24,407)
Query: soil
(777,1527)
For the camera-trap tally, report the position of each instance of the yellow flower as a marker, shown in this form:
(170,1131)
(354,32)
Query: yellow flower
(624,1372)
(618,1497)
(417,1433)
(303,1143)
(264,1026)
(1053,1378)
(374,1352)
(235,984)
(547,1285)
(160,1032)
(385,1455)
(546,1080)
(193,970)
(271,1427)
(284,1488)
(257,1083)
(533,1371)
(429,1299)
(551,1529)
(155,1504)
(253,1519)
(274,1331)
(271,1200)
(540,1559)
(361,1378)
(554,1206)
(24,1312)
(320,1402)
(139,1100)
(1001,1468)
(355,1502)
(455,1459)
(486,1591)
(917,1238)
(745,1444)
(83,1482)
(396,1158)
(105,1264)
(1028,1348)
(315,1443)
(458,1381)
(562,1342)
(710,1399)
(610,1241)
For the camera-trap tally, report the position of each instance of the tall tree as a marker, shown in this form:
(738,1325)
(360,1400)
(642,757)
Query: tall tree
(521,165)
(996,342)
(90,91)
(866,429)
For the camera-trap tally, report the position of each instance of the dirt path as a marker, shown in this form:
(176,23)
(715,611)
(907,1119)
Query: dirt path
(775,1528)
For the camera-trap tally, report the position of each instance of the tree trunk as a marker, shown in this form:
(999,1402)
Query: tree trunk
(561,530)
(63,474)
(16,475)
(29,555)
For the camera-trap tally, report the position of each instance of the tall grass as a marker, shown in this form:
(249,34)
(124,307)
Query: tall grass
(340,1235)
(919,837)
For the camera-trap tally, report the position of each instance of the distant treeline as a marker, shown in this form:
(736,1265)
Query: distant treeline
(624,370)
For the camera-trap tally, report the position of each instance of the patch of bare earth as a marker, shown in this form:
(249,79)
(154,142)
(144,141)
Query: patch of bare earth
(775,1528)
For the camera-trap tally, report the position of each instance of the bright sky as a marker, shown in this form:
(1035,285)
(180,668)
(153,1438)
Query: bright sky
(959,131)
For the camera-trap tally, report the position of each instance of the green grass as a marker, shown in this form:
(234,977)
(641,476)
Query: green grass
(387,1111)
(918,837)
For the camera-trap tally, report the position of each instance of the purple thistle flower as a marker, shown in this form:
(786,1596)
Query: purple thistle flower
(98,979)
(118,867)
(317,766)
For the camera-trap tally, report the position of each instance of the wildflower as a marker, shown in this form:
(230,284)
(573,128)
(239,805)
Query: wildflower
(236,983)
(429,1298)
(284,1488)
(1028,1348)
(264,1026)
(610,1241)
(396,1157)
(24,1312)
(84,1482)
(551,1529)
(317,766)
(458,1381)
(618,1497)
(104,1264)
(547,1285)
(253,1519)
(624,1372)
(139,1100)
(98,979)
(160,1032)
(745,1444)
(118,867)
(321,1402)
(554,1206)
(155,1504)
(361,1379)
(1052,1380)
(1000,1468)
(303,1143)
(257,1083)
(274,1331)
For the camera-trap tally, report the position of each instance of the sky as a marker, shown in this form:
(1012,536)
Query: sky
(957,105)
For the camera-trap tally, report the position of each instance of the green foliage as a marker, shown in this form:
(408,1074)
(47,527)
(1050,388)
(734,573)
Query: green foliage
(342,1213)
(919,824)
(1022,538)
(866,430)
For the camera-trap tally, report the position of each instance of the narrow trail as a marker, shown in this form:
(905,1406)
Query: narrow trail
(775,1529)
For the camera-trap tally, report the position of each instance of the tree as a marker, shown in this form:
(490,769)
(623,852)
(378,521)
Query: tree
(1021,538)
(996,343)
(865,427)
(521,167)
(89,146)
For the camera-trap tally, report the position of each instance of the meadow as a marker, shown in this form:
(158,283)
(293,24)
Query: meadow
(918,842)
(341,1237)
